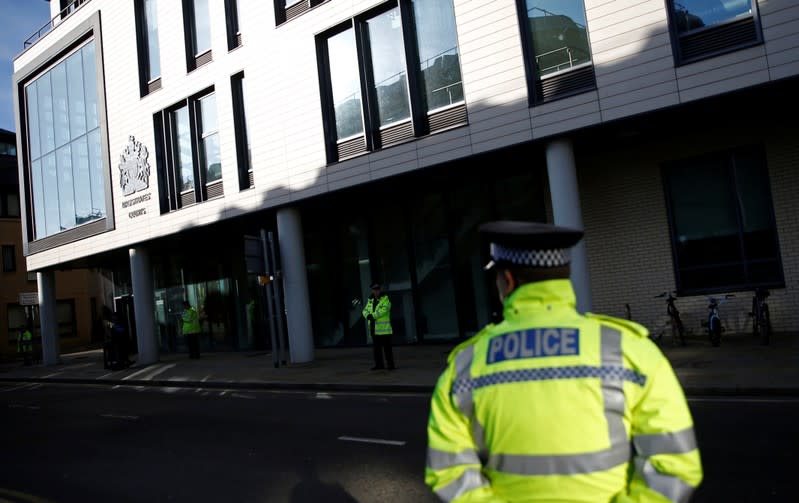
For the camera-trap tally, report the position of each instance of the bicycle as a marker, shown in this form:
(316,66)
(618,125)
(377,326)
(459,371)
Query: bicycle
(761,320)
(713,323)
(677,327)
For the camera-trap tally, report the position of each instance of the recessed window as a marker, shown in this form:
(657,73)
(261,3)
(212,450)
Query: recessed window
(66,166)
(188,153)
(557,49)
(404,56)
(705,28)
(289,9)
(722,222)
(9,204)
(147,38)
(197,30)
(240,123)
(233,29)
(9,258)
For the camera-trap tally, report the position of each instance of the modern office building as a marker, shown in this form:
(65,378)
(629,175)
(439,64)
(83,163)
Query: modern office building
(366,140)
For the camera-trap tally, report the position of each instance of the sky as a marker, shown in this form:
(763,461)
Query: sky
(19,19)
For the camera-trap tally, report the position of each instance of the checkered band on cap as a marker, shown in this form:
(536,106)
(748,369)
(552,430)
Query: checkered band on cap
(531,258)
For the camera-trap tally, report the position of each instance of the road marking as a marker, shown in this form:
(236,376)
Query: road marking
(52,375)
(324,396)
(20,496)
(151,372)
(744,400)
(120,416)
(23,386)
(20,406)
(373,440)
(239,395)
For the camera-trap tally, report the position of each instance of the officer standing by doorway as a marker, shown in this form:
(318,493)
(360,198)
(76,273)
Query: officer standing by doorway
(191,329)
(553,405)
(25,345)
(378,323)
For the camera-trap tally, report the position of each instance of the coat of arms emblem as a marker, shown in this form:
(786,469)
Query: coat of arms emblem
(134,171)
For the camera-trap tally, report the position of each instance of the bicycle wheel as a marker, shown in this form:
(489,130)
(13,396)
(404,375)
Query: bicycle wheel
(765,325)
(680,332)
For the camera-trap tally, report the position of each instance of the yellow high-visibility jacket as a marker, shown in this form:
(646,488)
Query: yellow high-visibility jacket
(551,405)
(191,321)
(380,309)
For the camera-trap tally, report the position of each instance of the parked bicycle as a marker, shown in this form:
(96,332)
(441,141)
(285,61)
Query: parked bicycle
(677,328)
(761,320)
(713,323)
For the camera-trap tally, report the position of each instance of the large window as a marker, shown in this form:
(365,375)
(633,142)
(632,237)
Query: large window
(197,30)
(722,222)
(404,82)
(188,153)
(557,49)
(706,28)
(147,35)
(66,167)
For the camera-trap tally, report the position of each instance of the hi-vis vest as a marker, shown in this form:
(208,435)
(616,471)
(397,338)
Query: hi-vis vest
(191,321)
(381,313)
(25,342)
(550,405)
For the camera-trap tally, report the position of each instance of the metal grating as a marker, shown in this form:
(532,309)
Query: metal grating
(718,39)
(566,83)
(444,119)
(187,199)
(238,39)
(351,147)
(215,190)
(74,234)
(297,9)
(396,133)
(203,58)
(154,85)
(250,179)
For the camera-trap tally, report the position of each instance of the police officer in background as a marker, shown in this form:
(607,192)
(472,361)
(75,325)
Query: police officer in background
(191,329)
(378,323)
(552,405)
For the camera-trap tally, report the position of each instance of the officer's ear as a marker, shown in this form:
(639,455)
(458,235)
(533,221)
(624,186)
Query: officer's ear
(506,283)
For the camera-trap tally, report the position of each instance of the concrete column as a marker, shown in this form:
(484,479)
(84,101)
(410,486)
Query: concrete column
(295,285)
(566,211)
(141,275)
(51,346)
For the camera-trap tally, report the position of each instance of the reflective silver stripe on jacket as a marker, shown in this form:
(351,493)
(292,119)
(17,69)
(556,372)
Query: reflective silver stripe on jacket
(612,373)
(470,480)
(670,486)
(646,446)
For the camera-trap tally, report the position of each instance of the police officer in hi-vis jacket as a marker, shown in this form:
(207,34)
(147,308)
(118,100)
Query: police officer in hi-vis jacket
(378,324)
(553,405)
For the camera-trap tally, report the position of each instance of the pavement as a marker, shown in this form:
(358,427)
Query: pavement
(740,366)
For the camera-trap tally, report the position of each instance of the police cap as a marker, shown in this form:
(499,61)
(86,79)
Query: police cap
(529,244)
(374,286)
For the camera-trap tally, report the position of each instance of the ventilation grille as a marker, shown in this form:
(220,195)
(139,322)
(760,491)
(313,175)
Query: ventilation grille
(297,9)
(444,119)
(154,85)
(203,58)
(351,147)
(718,39)
(566,84)
(187,199)
(74,234)
(214,190)
(396,133)
(250,179)
(238,39)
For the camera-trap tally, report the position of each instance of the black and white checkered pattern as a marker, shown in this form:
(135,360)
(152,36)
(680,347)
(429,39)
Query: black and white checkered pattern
(531,258)
(605,372)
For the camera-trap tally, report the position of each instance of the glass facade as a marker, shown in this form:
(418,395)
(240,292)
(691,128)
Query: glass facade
(439,59)
(64,142)
(695,14)
(345,84)
(151,27)
(202,27)
(209,139)
(388,67)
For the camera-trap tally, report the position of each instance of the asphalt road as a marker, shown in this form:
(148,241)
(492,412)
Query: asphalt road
(99,443)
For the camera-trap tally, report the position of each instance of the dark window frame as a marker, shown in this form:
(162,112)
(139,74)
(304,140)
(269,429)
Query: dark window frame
(170,198)
(374,137)
(727,159)
(232,24)
(241,130)
(194,59)
(565,84)
(711,41)
(284,13)
(147,84)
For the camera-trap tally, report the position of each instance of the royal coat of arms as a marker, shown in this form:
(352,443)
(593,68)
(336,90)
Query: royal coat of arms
(134,171)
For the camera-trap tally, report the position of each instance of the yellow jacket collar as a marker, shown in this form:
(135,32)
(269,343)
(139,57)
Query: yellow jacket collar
(539,295)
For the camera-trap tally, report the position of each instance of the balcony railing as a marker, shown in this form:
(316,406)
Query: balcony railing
(67,11)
